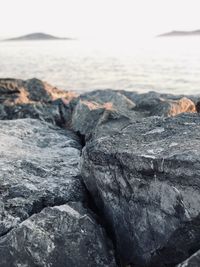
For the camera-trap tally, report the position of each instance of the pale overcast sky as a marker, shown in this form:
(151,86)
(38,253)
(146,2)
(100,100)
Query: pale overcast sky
(98,18)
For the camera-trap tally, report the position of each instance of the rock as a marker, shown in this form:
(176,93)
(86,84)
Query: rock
(114,98)
(34,99)
(90,109)
(98,107)
(57,236)
(53,112)
(144,176)
(39,167)
(156,104)
(87,115)
(15,91)
(193,261)
(198,106)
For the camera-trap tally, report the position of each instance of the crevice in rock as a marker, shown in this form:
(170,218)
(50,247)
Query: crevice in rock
(82,139)
(99,217)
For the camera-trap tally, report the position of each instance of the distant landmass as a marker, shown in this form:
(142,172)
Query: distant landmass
(37,37)
(180,33)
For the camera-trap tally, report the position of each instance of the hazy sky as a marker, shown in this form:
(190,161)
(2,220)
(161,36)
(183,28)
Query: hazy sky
(98,18)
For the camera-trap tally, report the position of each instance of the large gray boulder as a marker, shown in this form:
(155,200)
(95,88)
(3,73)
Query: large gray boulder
(39,167)
(144,176)
(59,236)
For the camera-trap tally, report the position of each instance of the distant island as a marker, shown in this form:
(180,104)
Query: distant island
(180,33)
(36,37)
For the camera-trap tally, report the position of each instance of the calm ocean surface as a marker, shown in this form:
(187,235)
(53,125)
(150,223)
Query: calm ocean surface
(161,64)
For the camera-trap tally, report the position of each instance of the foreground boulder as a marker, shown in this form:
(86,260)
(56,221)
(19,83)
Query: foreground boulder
(57,237)
(39,167)
(144,176)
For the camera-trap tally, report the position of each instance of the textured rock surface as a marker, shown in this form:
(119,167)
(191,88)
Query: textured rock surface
(145,179)
(34,99)
(53,112)
(118,100)
(61,236)
(193,261)
(99,107)
(38,168)
(90,109)
(87,115)
(15,91)
(155,104)
(142,173)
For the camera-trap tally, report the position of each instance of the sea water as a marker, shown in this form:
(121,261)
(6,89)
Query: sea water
(159,64)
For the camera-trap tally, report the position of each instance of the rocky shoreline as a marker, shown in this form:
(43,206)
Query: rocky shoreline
(106,178)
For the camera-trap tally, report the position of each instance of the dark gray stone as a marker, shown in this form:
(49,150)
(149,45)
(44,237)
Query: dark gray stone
(144,176)
(34,99)
(99,107)
(156,104)
(60,236)
(16,91)
(53,112)
(39,167)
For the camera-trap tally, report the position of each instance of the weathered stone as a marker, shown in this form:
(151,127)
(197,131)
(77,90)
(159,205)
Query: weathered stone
(39,167)
(144,176)
(57,236)
(156,104)
(15,91)
(98,107)
(34,99)
(87,115)
(53,112)
(118,100)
